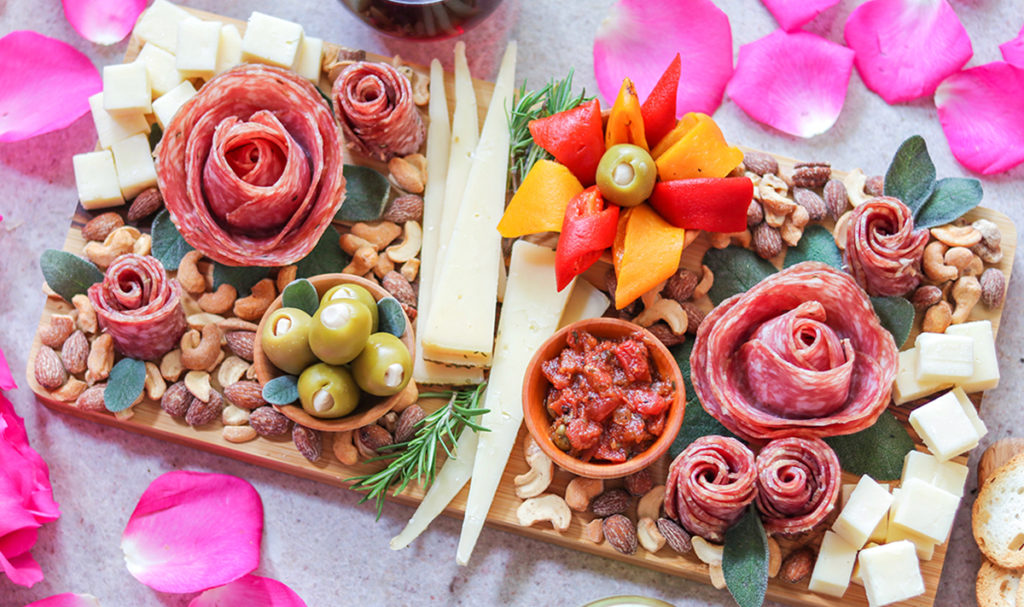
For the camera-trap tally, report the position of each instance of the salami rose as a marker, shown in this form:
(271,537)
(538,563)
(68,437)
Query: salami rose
(140,307)
(375,107)
(709,485)
(883,250)
(799,354)
(798,481)
(250,168)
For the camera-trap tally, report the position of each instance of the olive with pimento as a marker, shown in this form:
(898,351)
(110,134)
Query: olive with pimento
(285,340)
(384,367)
(339,330)
(356,292)
(328,391)
(626,174)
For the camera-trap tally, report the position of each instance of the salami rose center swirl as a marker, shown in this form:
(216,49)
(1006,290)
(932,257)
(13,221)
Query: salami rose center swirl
(883,250)
(798,482)
(376,110)
(139,306)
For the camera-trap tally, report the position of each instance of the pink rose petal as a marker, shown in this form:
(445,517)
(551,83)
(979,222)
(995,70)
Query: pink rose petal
(982,114)
(6,378)
(192,531)
(45,85)
(793,14)
(1013,51)
(905,48)
(639,38)
(249,590)
(795,82)
(68,599)
(103,21)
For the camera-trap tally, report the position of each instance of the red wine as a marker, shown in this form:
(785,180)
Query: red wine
(423,19)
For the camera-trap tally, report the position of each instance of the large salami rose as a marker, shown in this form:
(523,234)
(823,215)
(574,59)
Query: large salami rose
(250,168)
(799,354)
(376,110)
(883,250)
(798,481)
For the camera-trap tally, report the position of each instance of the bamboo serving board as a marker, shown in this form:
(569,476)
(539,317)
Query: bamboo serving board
(281,455)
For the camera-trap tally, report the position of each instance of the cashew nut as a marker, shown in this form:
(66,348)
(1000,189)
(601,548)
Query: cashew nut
(957,236)
(86,314)
(774,557)
(707,278)
(70,391)
(198,383)
(934,263)
(420,89)
(344,449)
(594,531)
(668,310)
(170,365)
(350,243)
(717,576)
(720,240)
(959,257)
(378,234)
(143,245)
(191,279)
(841,229)
(236,324)
(792,229)
(101,359)
(937,318)
(706,551)
(117,243)
(650,537)
(255,305)
(238,434)
(233,415)
(406,175)
(989,249)
(975,268)
(650,504)
(155,385)
(231,370)
(966,293)
(855,181)
(362,262)
(285,275)
(410,245)
(534,482)
(220,301)
(198,353)
(383,266)
(547,507)
(200,319)
(580,491)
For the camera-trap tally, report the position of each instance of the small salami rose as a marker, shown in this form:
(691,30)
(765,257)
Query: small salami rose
(140,307)
(883,250)
(375,107)
(709,486)
(798,482)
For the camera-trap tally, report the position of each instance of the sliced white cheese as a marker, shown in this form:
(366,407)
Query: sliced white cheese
(198,44)
(134,162)
(460,328)
(906,386)
(970,411)
(925,547)
(986,364)
(832,569)
(271,40)
(309,59)
(126,89)
(528,317)
(942,357)
(949,476)
(159,24)
(585,301)
(96,180)
(161,67)
(863,512)
(946,427)
(110,128)
(167,106)
(891,573)
(925,510)
(229,51)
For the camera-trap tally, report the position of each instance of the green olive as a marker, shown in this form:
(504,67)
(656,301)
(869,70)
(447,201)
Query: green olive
(626,174)
(285,340)
(356,292)
(384,367)
(327,391)
(339,330)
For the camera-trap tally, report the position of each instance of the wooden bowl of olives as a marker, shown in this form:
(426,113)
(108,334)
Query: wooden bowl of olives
(350,366)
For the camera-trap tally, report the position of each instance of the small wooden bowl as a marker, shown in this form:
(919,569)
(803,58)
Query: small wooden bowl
(370,408)
(535,390)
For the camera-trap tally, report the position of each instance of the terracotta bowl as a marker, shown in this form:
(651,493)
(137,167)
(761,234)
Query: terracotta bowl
(370,408)
(535,390)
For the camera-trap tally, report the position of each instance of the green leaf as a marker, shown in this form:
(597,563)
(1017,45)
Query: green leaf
(745,560)
(366,194)
(952,197)
(326,98)
(68,274)
(325,258)
(392,319)
(696,421)
(282,390)
(242,278)
(911,175)
(155,135)
(817,244)
(877,451)
(897,316)
(125,384)
(735,270)
(301,294)
(168,245)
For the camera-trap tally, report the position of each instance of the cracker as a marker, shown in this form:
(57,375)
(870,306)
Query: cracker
(998,515)
(998,587)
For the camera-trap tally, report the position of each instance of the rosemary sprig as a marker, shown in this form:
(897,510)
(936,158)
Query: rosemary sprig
(416,459)
(555,97)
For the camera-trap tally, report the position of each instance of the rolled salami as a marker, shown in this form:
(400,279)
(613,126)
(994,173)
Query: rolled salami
(376,111)
(798,482)
(883,250)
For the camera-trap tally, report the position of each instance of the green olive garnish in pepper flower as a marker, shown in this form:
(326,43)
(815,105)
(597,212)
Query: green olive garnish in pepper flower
(626,174)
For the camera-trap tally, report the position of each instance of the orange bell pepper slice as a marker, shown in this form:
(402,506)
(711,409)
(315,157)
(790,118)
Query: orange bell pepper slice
(646,251)
(687,122)
(539,203)
(625,123)
(700,152)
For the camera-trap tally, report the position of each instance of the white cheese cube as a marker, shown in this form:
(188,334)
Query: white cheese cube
(126,89)
(159,24)
(925,547)
(867,506)
(585,301)
(970,411)
(855,577)
(134,162)
(111,128)
(161,68)
(834,566)
(942,357)
(167,106)
(308,59)
(948,476)
(271,40)
(878,535)
(925,509)
(945,427)
(891,573)
(907,387)
(198,42)
(986,365)
(229,52)
(96,180)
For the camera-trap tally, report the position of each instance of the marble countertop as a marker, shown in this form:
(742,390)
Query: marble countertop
(316,539)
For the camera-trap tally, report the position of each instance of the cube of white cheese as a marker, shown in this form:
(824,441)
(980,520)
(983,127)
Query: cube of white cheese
(96,180)
(126,89)
(942,357)
(907,387)
(308,59)
(970,411)
(161,68)
(198,42)
(948,476)
(832,570)
(159,24)
(878,535)
(111,128)
(271,40)
(986,364)
(229,52)
(945,426)
(167,106)
(855,576)
(925,509)
(867,506)
(924,546)
(891,573)
(134,162)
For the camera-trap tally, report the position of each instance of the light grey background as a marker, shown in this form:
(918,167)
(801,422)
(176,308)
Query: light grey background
(316,539)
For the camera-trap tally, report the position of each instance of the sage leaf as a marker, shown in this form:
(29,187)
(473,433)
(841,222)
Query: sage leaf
(67,274)
(325,258)
(366,194)
(391,317)
(952,197)
(301,294)
(168,245)
(242,278)
(155,135)
(745,560)
(283,390)
(124,385)
(326,98)
(696,421)
(877,451)
(911,175)
(736,270)
(817,244)
(897,316)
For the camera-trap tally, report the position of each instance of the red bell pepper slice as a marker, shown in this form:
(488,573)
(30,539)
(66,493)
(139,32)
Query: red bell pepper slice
(574,137)
(587,230)
(659,109)
(712,204)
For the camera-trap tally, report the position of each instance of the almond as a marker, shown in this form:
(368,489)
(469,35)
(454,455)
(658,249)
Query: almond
(405,429)
(201,413)
(75,353)
(665,334)
(620,533)
(99,227)
(755,214)
(60,328)
(767,241)
(241,343)
(309,442)
(245,394)
(760,163)
(993,287)
(797,566)
(836,199)
(675,536)
(815,205)
(369,439)
(875,186)
(396,284)
(92,399)
(48,369)
(268,421)
(639,483)
(680,286)
(694,316)
(613,501)
(404,208)
(145,204)
(812,174)
(176,399)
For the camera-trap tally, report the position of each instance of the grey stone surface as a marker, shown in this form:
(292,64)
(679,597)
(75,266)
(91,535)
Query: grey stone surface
(316,539)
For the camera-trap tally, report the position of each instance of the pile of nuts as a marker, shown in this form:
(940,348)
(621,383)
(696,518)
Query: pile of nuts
(671,309)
